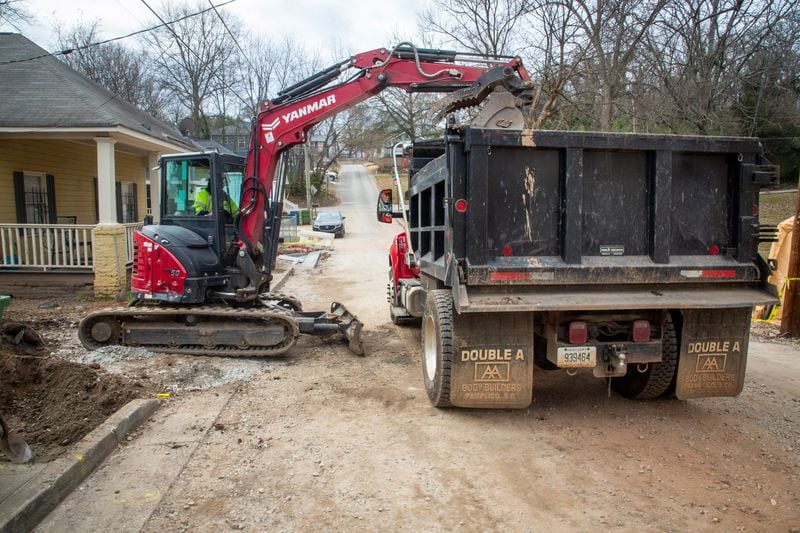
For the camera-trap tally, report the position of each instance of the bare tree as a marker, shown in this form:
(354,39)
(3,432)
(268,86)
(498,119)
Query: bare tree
(122,71)
(701,49)
(552,57)
(485,27)
(272,66)
(195,59)
(13,12)
(613,31)
(260,75)
(407,115)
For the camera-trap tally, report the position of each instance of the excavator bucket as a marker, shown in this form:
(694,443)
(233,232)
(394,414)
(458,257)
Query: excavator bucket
(483,87)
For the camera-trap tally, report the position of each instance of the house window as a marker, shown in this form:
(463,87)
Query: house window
(241,142)
(36,201)
(127,202)
(34,194)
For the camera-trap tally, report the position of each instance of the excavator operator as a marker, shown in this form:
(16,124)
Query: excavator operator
(203,203)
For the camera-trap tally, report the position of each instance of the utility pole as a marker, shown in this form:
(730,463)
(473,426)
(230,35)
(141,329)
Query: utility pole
(790,321)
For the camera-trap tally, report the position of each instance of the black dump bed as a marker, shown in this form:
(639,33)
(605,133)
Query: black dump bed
(594,220)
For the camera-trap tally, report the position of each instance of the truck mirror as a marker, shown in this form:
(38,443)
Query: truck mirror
(384,209)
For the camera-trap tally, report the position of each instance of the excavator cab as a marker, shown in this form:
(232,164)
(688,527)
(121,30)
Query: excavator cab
(191,185)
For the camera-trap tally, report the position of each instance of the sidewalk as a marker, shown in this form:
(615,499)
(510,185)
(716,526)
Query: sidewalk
(34,490)
(28,492)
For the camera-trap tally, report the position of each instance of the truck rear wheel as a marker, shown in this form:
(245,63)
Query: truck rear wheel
(656,380)
(437,346)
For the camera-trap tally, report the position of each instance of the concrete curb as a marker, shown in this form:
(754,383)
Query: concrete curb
(280,279)
(34,500)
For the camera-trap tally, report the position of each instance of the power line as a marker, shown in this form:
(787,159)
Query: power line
(90,45)
(219,15)
(173,32)
(10,22)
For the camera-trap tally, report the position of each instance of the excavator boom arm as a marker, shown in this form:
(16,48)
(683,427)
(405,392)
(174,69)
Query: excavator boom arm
(286,120)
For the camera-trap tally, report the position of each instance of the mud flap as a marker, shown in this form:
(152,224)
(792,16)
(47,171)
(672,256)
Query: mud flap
(713,353)
(492,360)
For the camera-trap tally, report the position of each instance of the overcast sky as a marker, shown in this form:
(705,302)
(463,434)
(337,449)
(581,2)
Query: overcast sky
(354,25)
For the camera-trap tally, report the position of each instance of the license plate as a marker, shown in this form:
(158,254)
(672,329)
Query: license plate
(577,357)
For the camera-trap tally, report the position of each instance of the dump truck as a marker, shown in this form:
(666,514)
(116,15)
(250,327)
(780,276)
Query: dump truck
(632,257)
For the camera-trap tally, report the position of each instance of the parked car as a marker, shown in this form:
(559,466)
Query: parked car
(331,176)
(330,222)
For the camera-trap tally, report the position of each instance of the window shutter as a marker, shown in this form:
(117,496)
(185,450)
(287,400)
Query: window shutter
(135,193)
(119,202)
(19,197)
(51,199)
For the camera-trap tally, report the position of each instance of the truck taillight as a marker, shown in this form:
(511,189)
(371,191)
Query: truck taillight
(578,332)
(461,205)
(641,331)
(713,249)
(507,250)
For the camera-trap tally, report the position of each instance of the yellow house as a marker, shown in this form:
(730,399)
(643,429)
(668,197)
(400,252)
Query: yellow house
(75,163)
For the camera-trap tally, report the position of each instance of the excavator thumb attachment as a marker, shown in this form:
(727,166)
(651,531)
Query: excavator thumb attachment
(338,322)
(484,86)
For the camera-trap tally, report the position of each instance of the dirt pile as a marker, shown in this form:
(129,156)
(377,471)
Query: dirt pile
(53,403)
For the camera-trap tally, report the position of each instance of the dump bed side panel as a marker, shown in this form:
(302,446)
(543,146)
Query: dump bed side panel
(589,209)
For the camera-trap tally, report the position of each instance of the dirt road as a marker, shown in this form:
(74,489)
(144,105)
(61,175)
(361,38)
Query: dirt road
(325,440)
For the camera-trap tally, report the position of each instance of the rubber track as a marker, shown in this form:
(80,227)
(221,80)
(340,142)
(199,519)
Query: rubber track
(279,297)
(222,313)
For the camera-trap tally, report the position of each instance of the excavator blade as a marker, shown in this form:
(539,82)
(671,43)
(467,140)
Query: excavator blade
(351,325)
(339,322)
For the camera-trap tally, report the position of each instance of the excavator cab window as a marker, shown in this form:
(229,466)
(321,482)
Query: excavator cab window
(232,178)
(185,178)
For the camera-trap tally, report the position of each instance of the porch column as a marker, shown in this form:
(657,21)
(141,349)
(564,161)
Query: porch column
(108,237)
(155,186)
(106,180)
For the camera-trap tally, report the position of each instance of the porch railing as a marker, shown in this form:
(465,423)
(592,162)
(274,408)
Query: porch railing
(46,246)
(53,246)
(129,230)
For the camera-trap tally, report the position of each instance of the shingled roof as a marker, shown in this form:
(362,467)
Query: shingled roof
(46,93)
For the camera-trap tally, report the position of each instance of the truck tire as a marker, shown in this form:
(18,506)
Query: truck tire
(437,346)
(657,379)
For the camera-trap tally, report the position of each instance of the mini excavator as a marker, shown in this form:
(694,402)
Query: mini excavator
(201,278)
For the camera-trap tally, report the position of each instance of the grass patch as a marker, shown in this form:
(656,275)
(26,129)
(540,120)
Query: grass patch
(384,181)
(774,209)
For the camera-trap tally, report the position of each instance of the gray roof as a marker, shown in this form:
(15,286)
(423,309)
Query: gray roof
(46,93)
(210,144)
